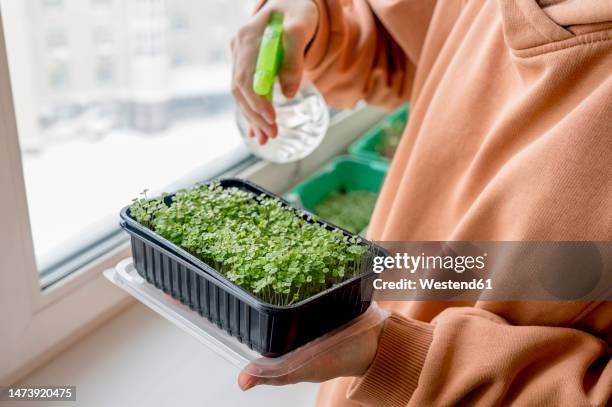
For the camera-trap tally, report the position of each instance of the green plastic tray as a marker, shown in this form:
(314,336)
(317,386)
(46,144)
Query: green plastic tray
(365,146)
(345,173)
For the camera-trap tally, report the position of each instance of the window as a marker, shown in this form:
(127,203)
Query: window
(102,37)
(179,59)
(51,4)
(150,43)
(56,39)
(114,117)
(59,75)
(150,8)
(101,3)
(72,155)
(104,70)
(82,132)
(180,23)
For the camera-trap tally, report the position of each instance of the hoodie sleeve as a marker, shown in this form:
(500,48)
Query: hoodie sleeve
(469,356)
(357,52)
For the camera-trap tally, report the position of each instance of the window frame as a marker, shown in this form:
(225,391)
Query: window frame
(37,323)
(34,320)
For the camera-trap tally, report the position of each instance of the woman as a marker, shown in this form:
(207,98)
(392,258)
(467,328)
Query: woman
(509,138)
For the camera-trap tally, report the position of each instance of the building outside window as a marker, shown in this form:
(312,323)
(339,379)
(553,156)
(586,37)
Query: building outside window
(104,70)
(101,3)
(102,36)
(59,75)
(56,39)
(50,4)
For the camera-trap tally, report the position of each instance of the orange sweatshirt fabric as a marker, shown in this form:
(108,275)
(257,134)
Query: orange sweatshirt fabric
(509,138)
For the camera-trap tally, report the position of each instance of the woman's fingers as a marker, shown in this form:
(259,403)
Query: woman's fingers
(263,137)
(258,111)
(299,26)
(259,125)
(246,381)
(351,356)
(298,29)
(243,81)
(323,368)
(290,75)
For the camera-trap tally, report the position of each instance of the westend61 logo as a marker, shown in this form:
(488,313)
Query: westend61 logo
(412,263)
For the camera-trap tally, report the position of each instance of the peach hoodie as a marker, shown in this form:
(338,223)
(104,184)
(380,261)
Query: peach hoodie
(510,138)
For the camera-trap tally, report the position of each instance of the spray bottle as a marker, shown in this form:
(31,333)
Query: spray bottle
(302,121)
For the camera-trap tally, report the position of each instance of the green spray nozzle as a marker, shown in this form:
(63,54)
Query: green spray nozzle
(269,57)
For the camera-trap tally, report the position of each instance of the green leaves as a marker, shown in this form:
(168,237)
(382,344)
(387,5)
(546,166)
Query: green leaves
(391,134)
(145,210)
(255,241)
(350,210)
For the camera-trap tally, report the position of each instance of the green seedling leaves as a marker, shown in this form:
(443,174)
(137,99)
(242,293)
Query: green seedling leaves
(254,241)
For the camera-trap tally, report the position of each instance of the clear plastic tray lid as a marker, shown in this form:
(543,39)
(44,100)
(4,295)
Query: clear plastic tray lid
(229,348)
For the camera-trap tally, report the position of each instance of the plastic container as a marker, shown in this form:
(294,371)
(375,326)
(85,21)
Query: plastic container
(343,174)
(365,147)
(302,121)
(125,276)
(270,330)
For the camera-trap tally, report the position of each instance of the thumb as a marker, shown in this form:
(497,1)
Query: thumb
(322,367)
(246,381)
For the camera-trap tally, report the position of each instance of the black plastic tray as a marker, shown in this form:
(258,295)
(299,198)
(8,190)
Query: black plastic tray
(271,330)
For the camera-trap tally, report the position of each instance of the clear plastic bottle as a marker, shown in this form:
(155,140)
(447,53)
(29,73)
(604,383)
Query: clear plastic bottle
(302,123)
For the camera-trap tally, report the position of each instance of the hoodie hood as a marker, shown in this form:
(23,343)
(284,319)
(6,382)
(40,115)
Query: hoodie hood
(569,13)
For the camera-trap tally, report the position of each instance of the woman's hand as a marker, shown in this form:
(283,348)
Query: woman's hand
(347,352)
(350,358)
(300,23)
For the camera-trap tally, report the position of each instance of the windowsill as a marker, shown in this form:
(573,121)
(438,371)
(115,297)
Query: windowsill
(138,358)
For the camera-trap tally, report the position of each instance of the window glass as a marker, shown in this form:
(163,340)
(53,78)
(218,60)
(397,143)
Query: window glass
(56,38)
(51,3)
(102,36)
(111,103)
(104,70)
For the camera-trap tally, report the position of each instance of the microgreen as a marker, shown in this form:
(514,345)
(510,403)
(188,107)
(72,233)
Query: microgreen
(254,241)
(391,134)
(350,210)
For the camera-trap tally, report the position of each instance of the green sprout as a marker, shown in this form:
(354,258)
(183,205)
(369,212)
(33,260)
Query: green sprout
(391,134)
(350,210)
(257,243)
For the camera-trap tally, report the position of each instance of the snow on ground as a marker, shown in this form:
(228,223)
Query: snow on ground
(74,186)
